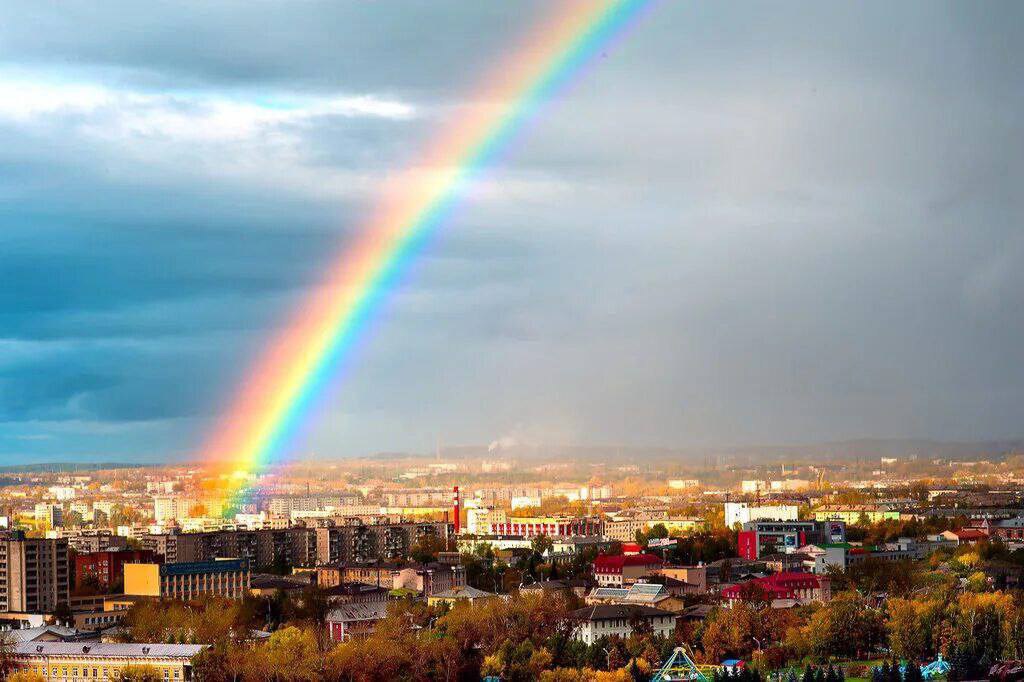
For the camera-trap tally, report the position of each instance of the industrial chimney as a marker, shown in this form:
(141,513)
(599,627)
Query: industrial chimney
(457,509)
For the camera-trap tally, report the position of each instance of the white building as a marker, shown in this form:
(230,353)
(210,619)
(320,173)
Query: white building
(741,512)
(49,514)
(524,501)
(170,507)
(61,493)
(480,521)
(790,485)
(683,483)
(605,620)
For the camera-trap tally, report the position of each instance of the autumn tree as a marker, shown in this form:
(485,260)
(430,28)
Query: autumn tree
(844,626)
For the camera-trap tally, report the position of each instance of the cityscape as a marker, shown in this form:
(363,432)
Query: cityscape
(547,340)
(503,563)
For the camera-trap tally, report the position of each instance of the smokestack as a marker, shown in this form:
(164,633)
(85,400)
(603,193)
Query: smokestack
(456,509)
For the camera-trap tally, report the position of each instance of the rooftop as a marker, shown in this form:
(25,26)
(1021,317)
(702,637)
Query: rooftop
(614,611)
(108,650)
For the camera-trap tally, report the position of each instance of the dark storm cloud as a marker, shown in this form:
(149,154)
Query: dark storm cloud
(745,223)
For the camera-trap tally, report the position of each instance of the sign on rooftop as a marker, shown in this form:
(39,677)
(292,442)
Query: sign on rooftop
(661,542)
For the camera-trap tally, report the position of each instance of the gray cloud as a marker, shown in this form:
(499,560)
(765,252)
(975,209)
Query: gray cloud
(744,224)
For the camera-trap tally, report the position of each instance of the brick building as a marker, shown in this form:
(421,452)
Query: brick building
(106,568)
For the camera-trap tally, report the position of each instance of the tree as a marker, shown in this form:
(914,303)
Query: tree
(292,654)
(913,672)
(62,615)
(844,626)
(541,544)
(906,630)
(140,673)
(7,661)
(426,549)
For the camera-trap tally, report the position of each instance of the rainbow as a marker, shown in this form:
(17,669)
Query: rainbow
(282,385)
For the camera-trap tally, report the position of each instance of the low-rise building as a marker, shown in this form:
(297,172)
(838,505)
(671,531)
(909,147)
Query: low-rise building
(352,621)
(356,593)
(379,574)
(102,661)
(802,587)
(1008,530)
(743,513)
(856,513)
(466,593)
(759,538)
(691,575)
(619,570)
(641,594)
(429,579)
(552,526)
(605,620)
(227,578)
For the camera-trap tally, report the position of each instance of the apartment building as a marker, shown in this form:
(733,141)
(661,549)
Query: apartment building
(34,573)
(289,505)
(50,515)
(481,520)
(356,541)
(90,540)
(624,528)
(227,578)
(264,548)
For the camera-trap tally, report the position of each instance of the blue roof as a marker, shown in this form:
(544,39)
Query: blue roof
(189,567)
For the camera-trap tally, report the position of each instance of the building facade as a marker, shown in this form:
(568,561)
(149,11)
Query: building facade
(622,570)
(35,575)
(553,526)
(605,620)
(106,569)
(356,541)
(759,538)
(81,661)
(228,578)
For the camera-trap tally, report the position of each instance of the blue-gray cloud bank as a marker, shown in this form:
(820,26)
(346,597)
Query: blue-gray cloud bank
(745,224)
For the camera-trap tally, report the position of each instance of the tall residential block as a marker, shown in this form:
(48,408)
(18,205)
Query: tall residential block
(34,573)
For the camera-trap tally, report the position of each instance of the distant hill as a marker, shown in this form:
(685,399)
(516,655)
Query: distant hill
(865,448)
(61,467)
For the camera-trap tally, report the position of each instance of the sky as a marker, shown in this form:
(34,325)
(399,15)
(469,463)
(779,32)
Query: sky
(745,223)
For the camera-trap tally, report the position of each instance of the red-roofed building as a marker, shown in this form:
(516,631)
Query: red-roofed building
(621,570)
(791,585)
(969,536)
